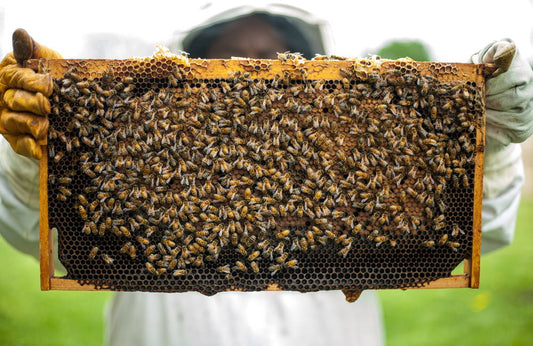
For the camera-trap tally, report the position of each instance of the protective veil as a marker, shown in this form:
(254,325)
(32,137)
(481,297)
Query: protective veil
(313,31)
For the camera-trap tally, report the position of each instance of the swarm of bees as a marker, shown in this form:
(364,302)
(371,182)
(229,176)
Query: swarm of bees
(262,170)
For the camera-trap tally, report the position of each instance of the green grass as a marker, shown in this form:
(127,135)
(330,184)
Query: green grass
(499,313)
(29,316)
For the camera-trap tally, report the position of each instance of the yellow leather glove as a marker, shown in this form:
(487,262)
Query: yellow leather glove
(24,96)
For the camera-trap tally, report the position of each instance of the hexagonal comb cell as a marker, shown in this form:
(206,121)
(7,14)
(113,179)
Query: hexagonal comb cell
(179,175)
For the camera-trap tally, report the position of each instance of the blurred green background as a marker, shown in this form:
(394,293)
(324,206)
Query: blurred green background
(413,49)
(499,313)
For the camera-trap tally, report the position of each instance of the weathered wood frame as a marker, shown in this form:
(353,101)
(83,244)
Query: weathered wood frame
(316,69)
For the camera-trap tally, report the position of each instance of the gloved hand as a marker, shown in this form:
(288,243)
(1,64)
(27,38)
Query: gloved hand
(24,96)
(509,95)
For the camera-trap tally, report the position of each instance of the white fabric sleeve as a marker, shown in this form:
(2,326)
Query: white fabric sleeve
(19,200)
(22,174)
(503,179)
(244,318)
(509,109)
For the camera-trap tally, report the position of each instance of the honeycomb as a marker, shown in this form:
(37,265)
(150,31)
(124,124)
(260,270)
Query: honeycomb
(175,174)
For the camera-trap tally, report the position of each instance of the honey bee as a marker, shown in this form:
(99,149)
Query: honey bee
(170,243)
(280,248)
(132,251)
(125,231)
(198,261)
(439,226)
(380,239)
(172,264)
(268,252)
(341,238)
(469,147)
(443,240)
(442,206)
(93,253)
(225,269)
(150,250)
(273,269)
(240,266)
(304,244)
(395,208)
(83,212)
(160,271)
(465,181)
(429,243)
(64,191)
(101,229)
(293,263)
(383,219)
(108,260)
(241,249)
(283,234)
(344,251)
(330,235)
(153,257)
(338,214)
(254,255)
(357,229)
(180,272)
(263,244)
(439,218)
(403,196)
(373,235)
(125,248)
(64,180)
(143,241)
(255,267)
(456,230)
(453,245)
(411,192)
(430,201)
(282,258)
(447,105)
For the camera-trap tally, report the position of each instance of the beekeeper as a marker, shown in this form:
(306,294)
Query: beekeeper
(256,318)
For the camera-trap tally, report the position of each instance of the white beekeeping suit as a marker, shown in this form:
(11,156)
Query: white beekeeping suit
(287,318)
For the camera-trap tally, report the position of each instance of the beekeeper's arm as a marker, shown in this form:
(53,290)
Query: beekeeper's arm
(23,124)
(509,103)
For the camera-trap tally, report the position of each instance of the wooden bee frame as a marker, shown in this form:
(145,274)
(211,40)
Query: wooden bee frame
(268,69)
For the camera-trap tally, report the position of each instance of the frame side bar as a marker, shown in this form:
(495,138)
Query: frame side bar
(478,197)
(46,248)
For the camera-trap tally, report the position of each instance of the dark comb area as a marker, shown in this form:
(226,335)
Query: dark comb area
(162,181)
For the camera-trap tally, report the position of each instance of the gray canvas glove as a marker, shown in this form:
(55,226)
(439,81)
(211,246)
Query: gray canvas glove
(509,95)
